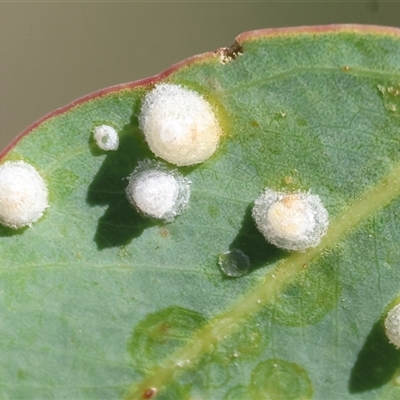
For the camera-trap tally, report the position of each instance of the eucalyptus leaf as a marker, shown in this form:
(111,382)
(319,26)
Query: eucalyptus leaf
(98,301)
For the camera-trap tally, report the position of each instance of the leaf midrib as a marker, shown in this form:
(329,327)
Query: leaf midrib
(274,282)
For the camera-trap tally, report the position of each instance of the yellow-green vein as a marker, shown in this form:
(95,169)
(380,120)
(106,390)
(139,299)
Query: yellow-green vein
(222,325)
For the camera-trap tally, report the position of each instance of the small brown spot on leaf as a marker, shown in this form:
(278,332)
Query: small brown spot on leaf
(345,68)
(162,329)
(255,124)
(164,232)
(149,393)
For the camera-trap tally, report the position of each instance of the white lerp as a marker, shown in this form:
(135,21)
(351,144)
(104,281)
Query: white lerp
(294,221)
(157,192)
(179,125)
(23,194)
(106,137)
(392,326)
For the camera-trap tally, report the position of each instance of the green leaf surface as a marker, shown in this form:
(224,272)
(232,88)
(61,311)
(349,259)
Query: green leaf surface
(100,302)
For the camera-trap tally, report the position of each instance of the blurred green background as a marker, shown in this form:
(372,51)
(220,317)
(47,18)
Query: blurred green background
(54,52)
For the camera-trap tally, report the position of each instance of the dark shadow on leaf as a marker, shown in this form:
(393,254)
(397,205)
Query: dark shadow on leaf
(253,244)
(376,363)
(95,150)
(120,222)
(5,231)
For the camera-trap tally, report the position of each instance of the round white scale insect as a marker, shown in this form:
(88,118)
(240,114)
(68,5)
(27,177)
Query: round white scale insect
(157,192)
(179,125)
(23,194)
(106,137)
(294,221)
(392,325)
